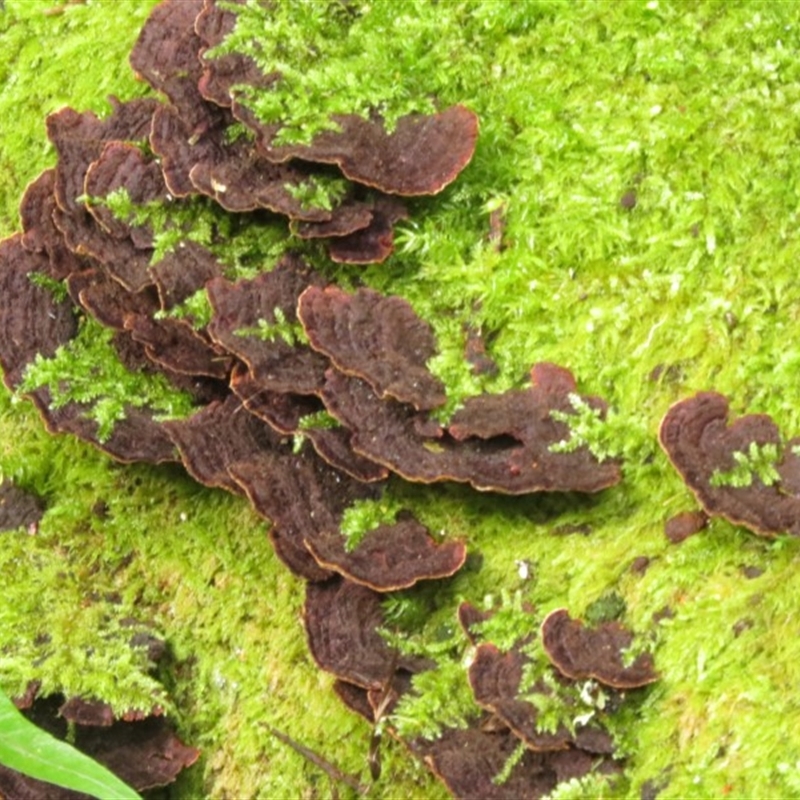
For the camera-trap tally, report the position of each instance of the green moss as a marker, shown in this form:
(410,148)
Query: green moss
(758,462)
(87,370)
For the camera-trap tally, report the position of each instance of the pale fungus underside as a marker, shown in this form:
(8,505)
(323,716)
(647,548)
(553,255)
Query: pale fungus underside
(197,279)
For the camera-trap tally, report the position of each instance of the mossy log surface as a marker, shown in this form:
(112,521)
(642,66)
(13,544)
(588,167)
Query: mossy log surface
(630,213)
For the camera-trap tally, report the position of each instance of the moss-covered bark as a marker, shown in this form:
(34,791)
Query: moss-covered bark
(643,156)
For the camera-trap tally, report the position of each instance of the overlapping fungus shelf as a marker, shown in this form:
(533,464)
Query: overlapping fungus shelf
(502,443)
(579,652)
(743,471)
(294,392)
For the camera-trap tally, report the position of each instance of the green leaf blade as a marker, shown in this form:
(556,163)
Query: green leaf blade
(28,749)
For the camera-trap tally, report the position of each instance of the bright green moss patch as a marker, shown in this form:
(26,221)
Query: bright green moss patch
(87,370)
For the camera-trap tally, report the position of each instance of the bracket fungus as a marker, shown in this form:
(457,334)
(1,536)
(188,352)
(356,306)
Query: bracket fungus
(288,358)
(501,443)
(374,337)
(743,471)
(579,652)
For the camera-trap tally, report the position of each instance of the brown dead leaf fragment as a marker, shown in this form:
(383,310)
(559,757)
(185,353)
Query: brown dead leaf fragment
(496,442)
(375,337)
(240,308)
(32,321)
(18,507)
(123,167)
(600,653)
(342,621)
(422,155)
(700,443)
(217,436)
(166,56)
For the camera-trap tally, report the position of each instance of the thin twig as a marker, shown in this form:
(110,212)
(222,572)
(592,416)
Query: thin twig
(329,769)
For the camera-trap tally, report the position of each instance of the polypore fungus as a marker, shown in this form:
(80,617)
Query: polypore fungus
(600,653)
(743,471)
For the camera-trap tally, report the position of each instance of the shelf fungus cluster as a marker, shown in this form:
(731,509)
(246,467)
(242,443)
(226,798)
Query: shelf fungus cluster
(744,472)
(508,750)
(295,393)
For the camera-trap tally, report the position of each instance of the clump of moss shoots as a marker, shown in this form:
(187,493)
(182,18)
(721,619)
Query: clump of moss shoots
(644,157)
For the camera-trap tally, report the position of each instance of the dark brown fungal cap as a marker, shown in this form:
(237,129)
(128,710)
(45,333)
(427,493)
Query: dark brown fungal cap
(374,243)
(107,300)
(495,678)
(221,74)
(347,219)
(79,140)
(421,156)
(700,444)
(136,438)
(470,616)
(335,446)
(375,337)
(293,553)
(467,761)
(87,712)
(356,698)
(165,55)
(40,232)
(342,621)
(391,557)
(284,412)
(18,508)
(239,307)
(580,653)
(172,139)
(306,499)
(120,258)
(182,272)
(31,321)
(218,436)
(144,754)
(176,345)
(496,442)
(123,167)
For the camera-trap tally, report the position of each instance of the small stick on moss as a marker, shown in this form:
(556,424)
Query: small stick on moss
(333,772)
